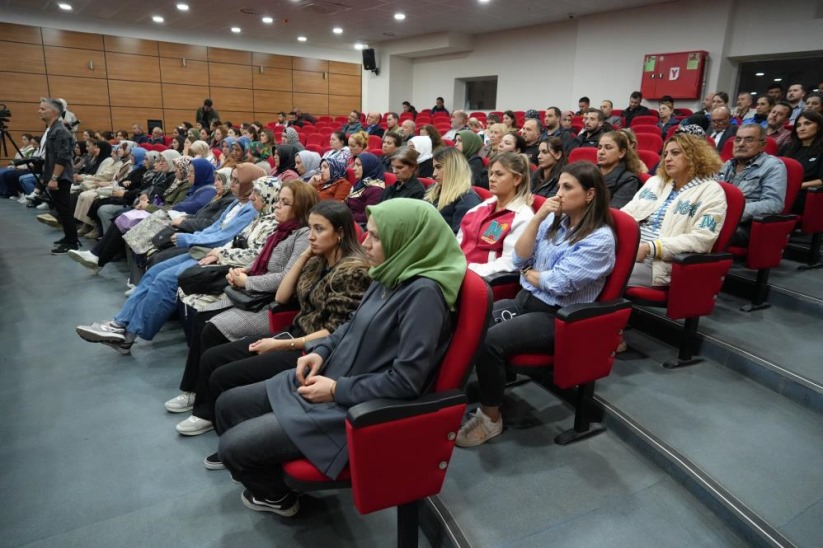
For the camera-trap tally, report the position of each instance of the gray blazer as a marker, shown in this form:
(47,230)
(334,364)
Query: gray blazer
(389,349)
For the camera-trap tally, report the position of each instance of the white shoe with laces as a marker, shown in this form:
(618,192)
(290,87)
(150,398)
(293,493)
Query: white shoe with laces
(194,426)
(180,404)
(478,430)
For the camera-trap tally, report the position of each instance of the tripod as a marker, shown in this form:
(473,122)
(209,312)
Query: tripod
(5,114)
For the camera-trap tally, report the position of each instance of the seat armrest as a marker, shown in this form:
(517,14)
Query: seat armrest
(815,189)
(583,311)
(500,278)
(386,410)
(700,258)
(291,306)
(775,218)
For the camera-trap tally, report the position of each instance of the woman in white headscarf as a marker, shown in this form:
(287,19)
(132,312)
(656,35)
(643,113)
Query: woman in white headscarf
(423,145)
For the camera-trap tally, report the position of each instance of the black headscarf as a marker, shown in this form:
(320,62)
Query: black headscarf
(286,153)
(105,152)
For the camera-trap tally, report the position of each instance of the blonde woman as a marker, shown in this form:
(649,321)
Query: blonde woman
(452,193)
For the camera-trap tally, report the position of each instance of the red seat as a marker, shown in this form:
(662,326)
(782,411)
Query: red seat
(484,193)
(587,335)
(217,153)
(643,128)
(146,146)
(644,120)
(485,161)
(375,151)
(375,141)
(157,147)
(671,131)
(350,176)
(768,238)
(649,158)
(426,181)
(399,450)
(727,152)
(423,119)
(389,178)
(650,141)
(695,281)
(811,222)
(316,139)
(325,120)
(339,121)
(448,142)
(315,148)
(583,154)
(771,146)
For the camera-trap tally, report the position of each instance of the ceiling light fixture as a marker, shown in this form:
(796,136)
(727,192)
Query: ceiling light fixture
(337,30)
(484,1)
(752,93)
(64,7)
(400,16)
(359,47)
(759,73)
(157,18)
(183,7)
(268,20)
(301,39)
(236,30)
(778,79)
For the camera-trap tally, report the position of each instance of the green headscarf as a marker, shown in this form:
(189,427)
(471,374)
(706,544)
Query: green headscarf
(471,143)
(417,241)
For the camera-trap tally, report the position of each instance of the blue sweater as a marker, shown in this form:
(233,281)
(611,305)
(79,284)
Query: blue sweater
(196,198)
(217,234)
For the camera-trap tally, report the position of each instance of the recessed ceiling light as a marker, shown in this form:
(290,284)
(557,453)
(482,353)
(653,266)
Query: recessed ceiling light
(157,18)
(752,93)
(301,38)
(778,79)
(759,73)
(268,20)
(236,30)
(399,16)
(484,1)
(359,46)
(64,7)
(183,7)
(337,30)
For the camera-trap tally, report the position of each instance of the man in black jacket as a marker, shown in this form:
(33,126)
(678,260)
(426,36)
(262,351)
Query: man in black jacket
(58,171)
(634,108)
(592,129)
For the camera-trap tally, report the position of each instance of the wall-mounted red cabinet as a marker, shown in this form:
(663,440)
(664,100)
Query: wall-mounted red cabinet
(678,74)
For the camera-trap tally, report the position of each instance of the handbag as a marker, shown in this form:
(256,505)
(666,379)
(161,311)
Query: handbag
(203,280)
(139,238)
(162,239)
(129,219)
(252,301)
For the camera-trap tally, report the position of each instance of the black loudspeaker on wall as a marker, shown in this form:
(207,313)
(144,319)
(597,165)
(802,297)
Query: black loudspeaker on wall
(369,62)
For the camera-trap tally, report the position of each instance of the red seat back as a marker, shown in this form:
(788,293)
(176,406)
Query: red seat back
(484,193)
(627,235)
(794,180)
(644,121)
(426,181)
(727,152)
(316,139)
(583,154)
(389,178)
(649,141)
(375,141)
(735,201)
(350,176)
(644,128)
(649,158)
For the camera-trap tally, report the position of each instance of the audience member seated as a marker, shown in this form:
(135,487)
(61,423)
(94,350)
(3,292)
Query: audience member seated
(331,182)
(814,101)
(439,106)
(619,164)
(408,107)
(667,119)
(632,138)
(339,148)
(510,120)
(328,280)
(806,146)
(431,132)
(470,144)
(531,132)
(512,142)
(495,134)
(722,129)
(389,349)
(592,129)
(391,144)
(794,96)
(404,167)
(154,298)
(551,159)
(358,142)
(392,122)
(407,130)
(123,193)
(259,154)
(743,110)
(291,137)
(606,106)
(565,253)
(101,170)
(353,125)
(760,114)
(761,178)
(423,146)
(634,108)
(552,128)
(285,158)
(368,190)
(460,122)
(157,136)
(489,231)
(583,104)
(452,192)
(123,165)
(373,124)
(776,123)
(307,164)
(679,210)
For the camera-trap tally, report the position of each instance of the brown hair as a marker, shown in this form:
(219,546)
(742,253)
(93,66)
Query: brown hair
(598,212)
(630,158)
(701,156)
(305,198)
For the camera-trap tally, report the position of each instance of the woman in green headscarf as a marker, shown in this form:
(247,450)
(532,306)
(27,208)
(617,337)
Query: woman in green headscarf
(390,348)
(470,144)
(259,155)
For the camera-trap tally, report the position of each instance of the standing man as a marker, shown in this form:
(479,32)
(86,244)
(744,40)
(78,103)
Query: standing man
(794,96)
(58,171)
(206,114)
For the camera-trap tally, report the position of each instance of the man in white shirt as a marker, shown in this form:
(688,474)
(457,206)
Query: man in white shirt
(460,121)
(722,129)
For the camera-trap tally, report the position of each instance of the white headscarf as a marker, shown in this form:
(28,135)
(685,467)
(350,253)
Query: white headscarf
(423,146)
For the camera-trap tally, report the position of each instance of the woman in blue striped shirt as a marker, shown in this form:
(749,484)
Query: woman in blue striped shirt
(565,255)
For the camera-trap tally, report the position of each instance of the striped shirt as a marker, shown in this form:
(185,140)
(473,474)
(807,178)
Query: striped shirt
(650,227)
(569,273)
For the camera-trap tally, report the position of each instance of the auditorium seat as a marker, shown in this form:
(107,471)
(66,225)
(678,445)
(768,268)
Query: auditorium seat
(389,178)
(375,141)
(399,450)
(649,141)
(644,120)
(696,280)
(646,128)
(651,159)
(811,222)
(583,154)
(316,139)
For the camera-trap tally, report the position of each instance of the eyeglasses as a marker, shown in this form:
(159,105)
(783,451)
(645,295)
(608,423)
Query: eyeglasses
(747,140)
(234,180)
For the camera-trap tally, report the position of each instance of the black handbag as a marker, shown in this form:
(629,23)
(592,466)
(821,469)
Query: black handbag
(252,301)
(208,280)
(162,239)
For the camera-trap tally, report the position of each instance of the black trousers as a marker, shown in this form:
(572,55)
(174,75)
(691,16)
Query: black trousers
(531,329)
(252,444)
(231,365)
(61,201)
(199,344)
(110,246)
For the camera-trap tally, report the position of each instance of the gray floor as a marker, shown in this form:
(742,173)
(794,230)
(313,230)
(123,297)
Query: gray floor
(805,282)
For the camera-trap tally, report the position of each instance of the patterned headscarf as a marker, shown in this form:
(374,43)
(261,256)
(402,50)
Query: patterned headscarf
(183,163)
(244,143)
(691,129)
(259,150)
(291,136)
(337,169)
(151,158)
(171,157)
(268,188)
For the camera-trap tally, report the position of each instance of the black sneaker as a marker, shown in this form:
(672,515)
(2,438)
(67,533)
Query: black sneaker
(65,247)
(288,506)
(60,241)
(213,462)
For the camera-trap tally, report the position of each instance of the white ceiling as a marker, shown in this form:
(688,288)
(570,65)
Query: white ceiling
(366,21)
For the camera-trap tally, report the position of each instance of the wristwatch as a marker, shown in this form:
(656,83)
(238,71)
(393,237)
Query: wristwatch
(54,177)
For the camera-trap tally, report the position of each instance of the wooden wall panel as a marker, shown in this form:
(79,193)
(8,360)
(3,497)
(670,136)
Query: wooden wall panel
(23,87)
(181,51)
(123,117)
(91,117)
(123,44)
(236,57)
(18,57)
(75,62)
(230,76)
(273,101)
(236,116)
(71,39)
(315,65)
(352,69)
(231,99)
(265,117)
(316,104)
(272,79)
(340,105)
(138,68)
(174,117)
(185,97)
(270,60)
(23,33)
(172,71)
(340,84)
(79,91)
(310,82)
(24,116)
(135,94)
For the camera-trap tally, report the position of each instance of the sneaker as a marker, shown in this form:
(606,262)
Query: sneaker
(124,347)
(92,234)
(23,199)
(65,247)
(103,332)
(85,258)
(194,426)
(182,403)
(129,292)
(478,430)
(129,284)
(288,506)
(48,219)
(60,241)
(213,462)
(42,206)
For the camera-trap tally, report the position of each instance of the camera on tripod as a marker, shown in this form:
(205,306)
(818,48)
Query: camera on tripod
(5,113)
(34,163)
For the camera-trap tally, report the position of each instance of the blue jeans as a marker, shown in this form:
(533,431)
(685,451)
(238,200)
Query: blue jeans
(154,299)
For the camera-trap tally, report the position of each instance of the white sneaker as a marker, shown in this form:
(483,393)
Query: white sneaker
(102,332)
(85,258)
(42,206)
(180,404)
(478,430)
(194,426)
(129,292)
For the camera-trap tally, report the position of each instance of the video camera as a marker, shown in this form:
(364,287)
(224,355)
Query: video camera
(34,163)
(5,114)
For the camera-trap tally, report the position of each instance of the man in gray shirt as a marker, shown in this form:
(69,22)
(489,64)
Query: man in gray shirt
(761,178)
(58,171)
